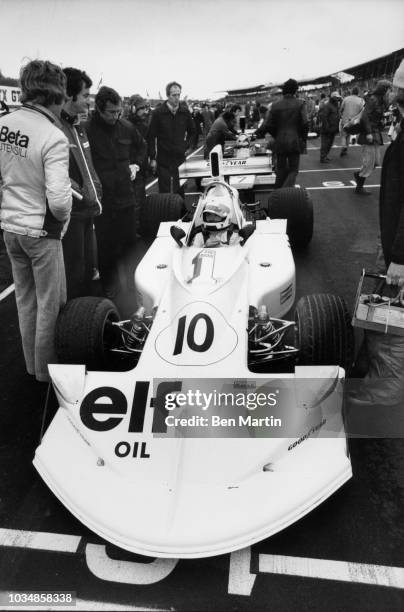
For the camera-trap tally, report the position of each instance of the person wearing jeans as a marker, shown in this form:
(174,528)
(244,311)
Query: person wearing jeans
(35,209)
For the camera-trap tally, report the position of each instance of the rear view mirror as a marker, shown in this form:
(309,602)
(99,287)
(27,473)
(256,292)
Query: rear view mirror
(178,234)
(245,232)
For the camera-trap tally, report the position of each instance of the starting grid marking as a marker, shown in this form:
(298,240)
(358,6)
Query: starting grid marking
(339,187)
(241,579)
(6,292)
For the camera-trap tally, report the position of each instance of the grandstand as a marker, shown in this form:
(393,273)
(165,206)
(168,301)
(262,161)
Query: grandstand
(362,75)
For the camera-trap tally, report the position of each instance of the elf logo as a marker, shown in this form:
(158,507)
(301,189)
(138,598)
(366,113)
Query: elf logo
(111,402)
(15,138)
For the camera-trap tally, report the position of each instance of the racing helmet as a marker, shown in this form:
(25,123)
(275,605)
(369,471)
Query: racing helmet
(216,214)
(243,141)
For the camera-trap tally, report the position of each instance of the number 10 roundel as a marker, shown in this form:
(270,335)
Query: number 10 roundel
(198,335)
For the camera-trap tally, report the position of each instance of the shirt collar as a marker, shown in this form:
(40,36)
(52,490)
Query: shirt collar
(73,120)
(172,109)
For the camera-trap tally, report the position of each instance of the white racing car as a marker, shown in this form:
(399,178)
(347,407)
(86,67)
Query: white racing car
(227,426)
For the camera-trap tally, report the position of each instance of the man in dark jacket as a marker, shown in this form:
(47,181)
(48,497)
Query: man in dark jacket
(78,242)
(207,119)
(223,128)
(118,150)
(138,115)
(172,129)
(329,125)
(287,123)
(371,137)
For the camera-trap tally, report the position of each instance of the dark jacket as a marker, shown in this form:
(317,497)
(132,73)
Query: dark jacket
(81,170)
(330,117)
(287,123)
(173,132)
(372,119)
(113,148)
(142,126)
(218,134)
(392,201)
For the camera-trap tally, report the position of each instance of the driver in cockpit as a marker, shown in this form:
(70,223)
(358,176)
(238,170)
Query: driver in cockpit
(216,229)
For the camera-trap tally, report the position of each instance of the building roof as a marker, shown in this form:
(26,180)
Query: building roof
(378,67)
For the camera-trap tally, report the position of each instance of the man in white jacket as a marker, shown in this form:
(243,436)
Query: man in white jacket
(35,209)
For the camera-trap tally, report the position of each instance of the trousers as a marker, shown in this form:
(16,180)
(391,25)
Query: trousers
(78,247)
(287,167)
(40,291)
(370,159)
(169,181)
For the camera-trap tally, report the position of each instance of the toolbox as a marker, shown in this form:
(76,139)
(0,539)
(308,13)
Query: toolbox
(374,309)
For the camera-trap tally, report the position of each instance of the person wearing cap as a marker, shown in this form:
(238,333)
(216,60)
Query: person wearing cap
(287,123)
(382,353)
(371,135)
(329,125)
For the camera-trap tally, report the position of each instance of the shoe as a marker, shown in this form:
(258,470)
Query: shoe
(360,181)
(324,161)
(344,152)
(362,191)
(327,159)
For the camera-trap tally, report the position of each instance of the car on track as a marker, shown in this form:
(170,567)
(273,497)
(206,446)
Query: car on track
(175,456)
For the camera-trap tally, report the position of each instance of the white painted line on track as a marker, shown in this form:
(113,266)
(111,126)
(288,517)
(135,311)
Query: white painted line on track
(241,580)
(377,575)
(328,170)
(10,289)
(80,604)
(339,187)
(56,542)
(333,147)
(6,292)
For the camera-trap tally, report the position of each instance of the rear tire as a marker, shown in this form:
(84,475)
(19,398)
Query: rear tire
(324,333)
(157,208)
(84,333)
(293,204)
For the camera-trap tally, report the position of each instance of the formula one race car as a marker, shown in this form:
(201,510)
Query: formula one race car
(227,427)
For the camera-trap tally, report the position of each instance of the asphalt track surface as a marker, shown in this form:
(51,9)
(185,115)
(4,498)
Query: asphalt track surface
(345,555)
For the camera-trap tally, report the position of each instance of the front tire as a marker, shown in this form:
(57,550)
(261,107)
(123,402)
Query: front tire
(293,204)
(84,332)
(324,334)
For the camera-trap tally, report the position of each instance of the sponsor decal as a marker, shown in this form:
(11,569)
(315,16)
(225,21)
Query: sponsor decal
(10,95)
(16,138)
(13,142)
(308,434)
(111,402)
(199,334)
